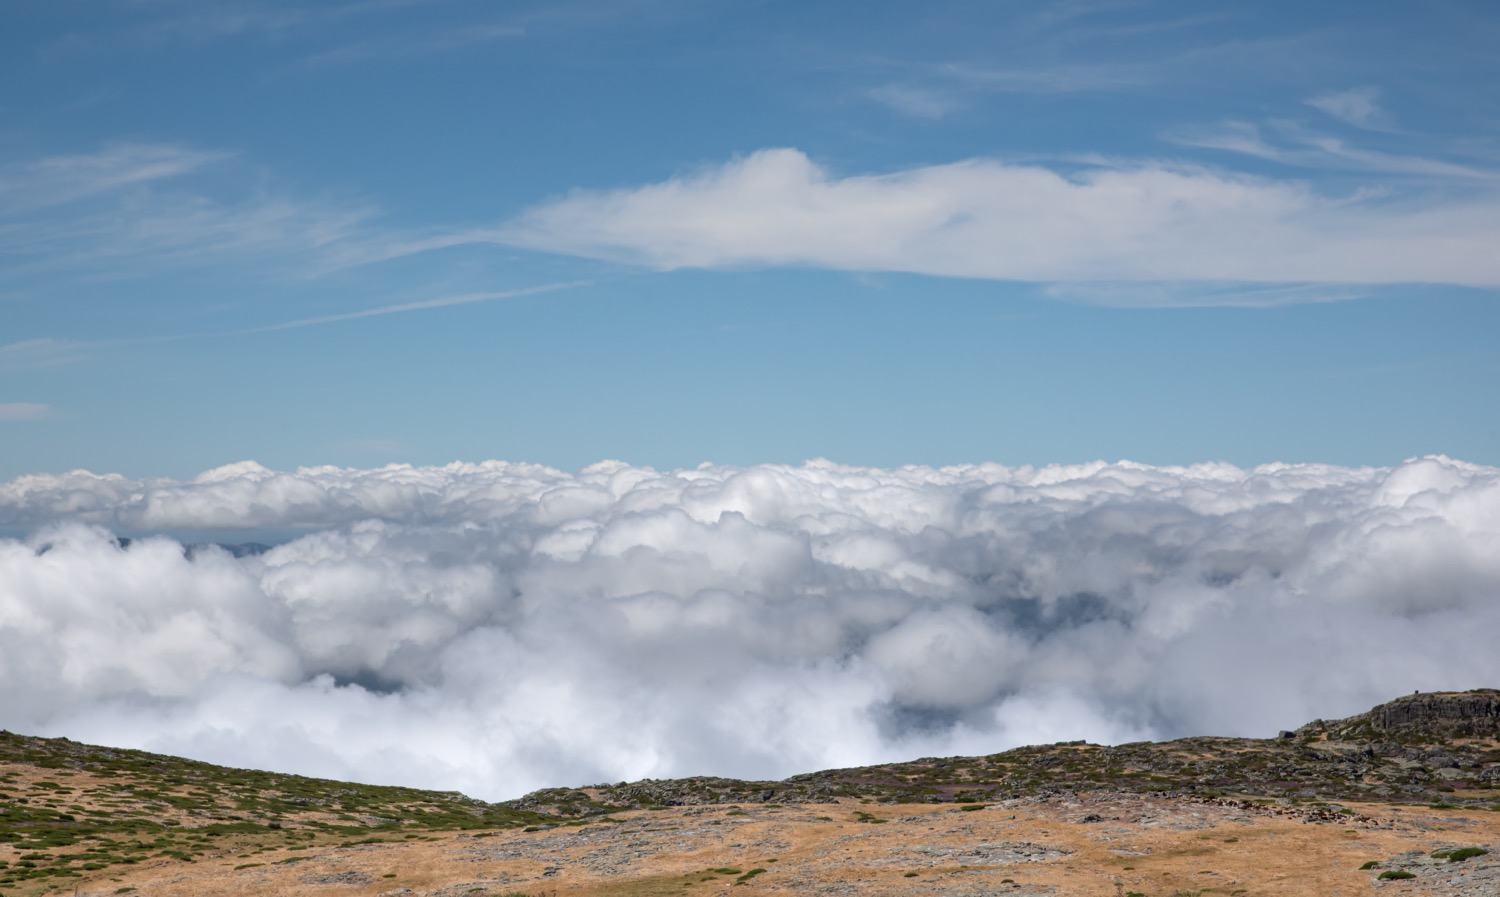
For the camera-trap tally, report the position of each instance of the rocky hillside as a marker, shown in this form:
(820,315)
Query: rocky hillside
(72,813)
(1419,717)
(1439,749)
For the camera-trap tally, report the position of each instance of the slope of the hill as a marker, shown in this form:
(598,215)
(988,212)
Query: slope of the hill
(69,809)
(1411,788)
(1433,748)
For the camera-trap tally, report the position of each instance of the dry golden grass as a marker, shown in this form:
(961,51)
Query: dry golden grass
(1147,845)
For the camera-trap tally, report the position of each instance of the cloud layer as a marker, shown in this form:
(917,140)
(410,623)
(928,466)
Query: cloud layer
(984,218)
(499,627)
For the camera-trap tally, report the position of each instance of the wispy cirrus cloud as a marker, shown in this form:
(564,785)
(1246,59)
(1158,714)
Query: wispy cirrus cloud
(138,208)
(406,45)
(1200,294)
(1064,49)
(918,102)
(985,218)
(420,305)
(1291,143)
(66,178)
(49,352)
(200,21)
(936,91)
(1052,79)
(44,352)
(1358,106)
(17,411)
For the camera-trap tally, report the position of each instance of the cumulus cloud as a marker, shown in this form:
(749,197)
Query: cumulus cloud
(498,627)
(985,218)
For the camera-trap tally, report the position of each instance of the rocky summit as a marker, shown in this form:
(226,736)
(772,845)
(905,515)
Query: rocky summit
(1465,715)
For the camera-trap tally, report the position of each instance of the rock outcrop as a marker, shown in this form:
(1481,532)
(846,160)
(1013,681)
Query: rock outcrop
(1476,709)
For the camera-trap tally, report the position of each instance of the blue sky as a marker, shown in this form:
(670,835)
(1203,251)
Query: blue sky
(672,232)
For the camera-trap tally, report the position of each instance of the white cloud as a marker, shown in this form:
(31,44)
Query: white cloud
(988,219)
(39,353)
(198,22)
(407,45)
(135,209)
(421,305)
(1201,294)
(67,178)
(138,210)
(24,411)
(1357,106)
(498,627)
(914,101)
(1052,79)
(1311,149)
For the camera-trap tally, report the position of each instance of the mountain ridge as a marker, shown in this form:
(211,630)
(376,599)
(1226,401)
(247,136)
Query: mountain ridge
(1375,755)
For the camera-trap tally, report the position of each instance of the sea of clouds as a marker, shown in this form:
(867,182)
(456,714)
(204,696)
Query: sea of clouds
(496,627)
